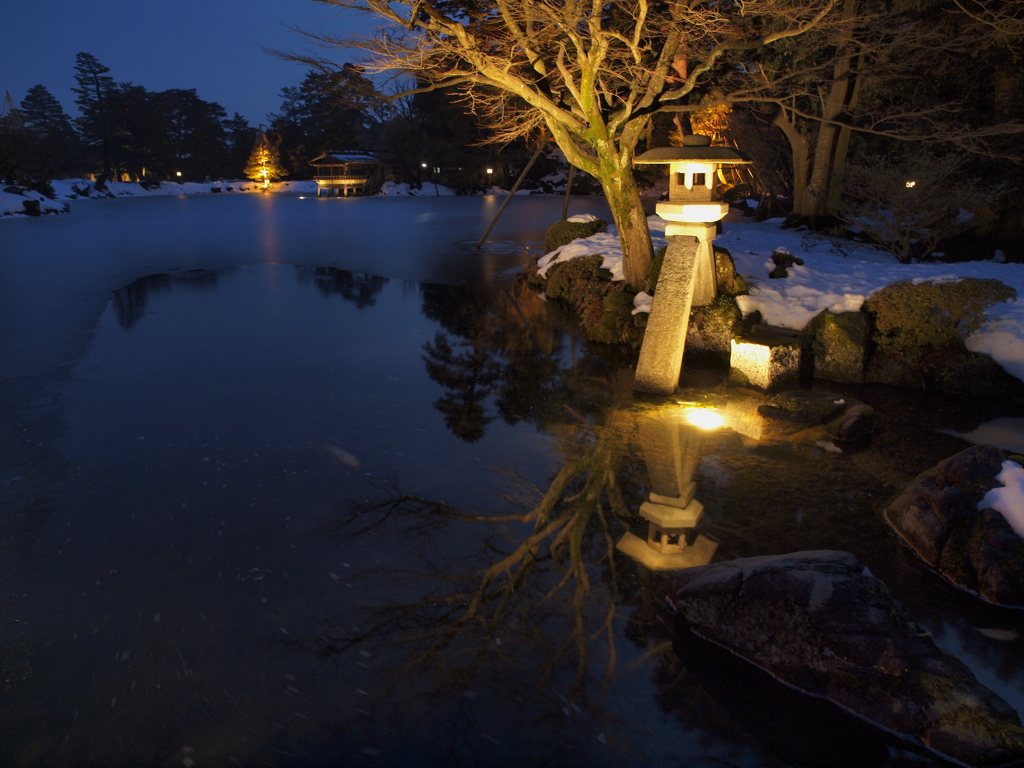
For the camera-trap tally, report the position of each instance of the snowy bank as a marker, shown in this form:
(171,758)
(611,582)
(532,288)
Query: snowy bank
(13,203)
(835,275)
(390,188)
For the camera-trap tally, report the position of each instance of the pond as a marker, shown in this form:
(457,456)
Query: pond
(274,494)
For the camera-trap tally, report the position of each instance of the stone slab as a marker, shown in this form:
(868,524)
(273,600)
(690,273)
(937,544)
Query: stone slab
(766,364)
(672,517)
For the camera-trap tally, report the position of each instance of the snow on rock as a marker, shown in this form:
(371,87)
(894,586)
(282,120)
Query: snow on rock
(1008,499)
(13,203)
(642,302)
(603,243)
(582,218)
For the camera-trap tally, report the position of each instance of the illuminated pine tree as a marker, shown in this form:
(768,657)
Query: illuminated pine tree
(264,163)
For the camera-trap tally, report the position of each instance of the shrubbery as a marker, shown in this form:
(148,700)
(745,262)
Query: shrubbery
(564,232)
(564,276)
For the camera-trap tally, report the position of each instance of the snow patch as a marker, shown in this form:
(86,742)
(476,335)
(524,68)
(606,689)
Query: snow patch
(1009,499)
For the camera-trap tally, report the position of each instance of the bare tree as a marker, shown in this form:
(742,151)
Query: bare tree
(588,74)
(892,73)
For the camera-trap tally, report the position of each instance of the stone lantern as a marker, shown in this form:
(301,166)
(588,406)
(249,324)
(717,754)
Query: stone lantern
(688,275)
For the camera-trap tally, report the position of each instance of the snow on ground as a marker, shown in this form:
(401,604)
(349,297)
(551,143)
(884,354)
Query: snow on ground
(835,275)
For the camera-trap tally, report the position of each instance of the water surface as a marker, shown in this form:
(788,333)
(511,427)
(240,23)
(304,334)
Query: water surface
(266,501)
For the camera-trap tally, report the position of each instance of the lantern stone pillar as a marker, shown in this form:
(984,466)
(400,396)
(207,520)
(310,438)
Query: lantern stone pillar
(688,277)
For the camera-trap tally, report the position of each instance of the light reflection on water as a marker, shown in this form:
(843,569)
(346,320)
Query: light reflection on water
(269,510)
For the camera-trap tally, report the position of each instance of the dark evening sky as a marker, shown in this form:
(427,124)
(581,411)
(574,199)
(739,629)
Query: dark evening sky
(210,45)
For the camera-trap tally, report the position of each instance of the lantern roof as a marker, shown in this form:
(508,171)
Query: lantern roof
(695,149)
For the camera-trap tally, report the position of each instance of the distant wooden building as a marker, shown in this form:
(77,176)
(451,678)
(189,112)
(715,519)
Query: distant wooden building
(345,174)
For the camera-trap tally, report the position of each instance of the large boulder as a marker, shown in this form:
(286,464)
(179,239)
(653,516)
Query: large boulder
(975,549)
(820,623)
(838,343)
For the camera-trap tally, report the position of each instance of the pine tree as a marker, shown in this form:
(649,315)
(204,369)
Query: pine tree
(45,115)
(264,163)
(93,97)
(56,148)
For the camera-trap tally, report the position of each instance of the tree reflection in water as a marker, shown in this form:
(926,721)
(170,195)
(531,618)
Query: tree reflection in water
(543,568)
(131,300)
(357,287)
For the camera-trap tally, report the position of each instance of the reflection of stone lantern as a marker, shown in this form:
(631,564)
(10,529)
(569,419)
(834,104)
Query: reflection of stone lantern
(688,275)
(670,448)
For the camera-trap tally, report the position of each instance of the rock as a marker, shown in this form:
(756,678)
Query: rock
(726,278)
(856,422)
(938,516)
(811,407)
(712,328)
(783,260)
(765,360)
(32,208)
(820,623)
(838,345)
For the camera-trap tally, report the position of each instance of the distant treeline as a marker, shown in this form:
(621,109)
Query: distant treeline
(125,132)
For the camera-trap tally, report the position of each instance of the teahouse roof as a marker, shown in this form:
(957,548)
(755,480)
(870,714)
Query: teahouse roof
(331,158)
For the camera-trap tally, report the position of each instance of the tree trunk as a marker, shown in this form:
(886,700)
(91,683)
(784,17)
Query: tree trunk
(830,147)
(799,149)
(623,196)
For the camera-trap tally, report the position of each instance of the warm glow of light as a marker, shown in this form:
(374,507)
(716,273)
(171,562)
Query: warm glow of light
(692,212)
(911,184)
(179,173)
(423,164)
(705,418)
(490,170)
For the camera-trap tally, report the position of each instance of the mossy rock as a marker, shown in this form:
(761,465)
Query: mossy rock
(713,326)
(613,323)
(919,330)
(838,343)
(952,371)
(932,314)
(564,275)
(729,282)
(564,232)
(974,548)
(820,623)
